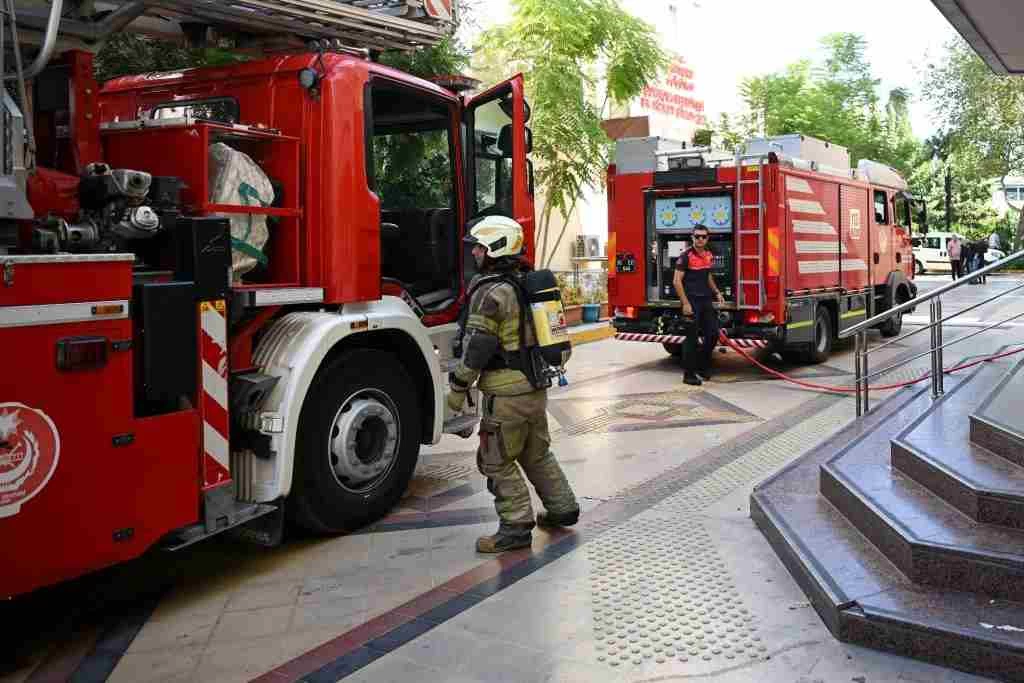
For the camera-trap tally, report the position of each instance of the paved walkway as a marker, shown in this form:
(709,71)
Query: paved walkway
(665,578)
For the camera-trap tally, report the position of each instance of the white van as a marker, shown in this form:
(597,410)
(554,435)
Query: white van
(931,254)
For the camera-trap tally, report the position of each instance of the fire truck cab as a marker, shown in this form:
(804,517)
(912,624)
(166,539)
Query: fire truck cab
(804,245)
(227,295)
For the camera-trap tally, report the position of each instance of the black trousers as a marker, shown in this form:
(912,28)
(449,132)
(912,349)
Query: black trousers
(957,268)
(705,326)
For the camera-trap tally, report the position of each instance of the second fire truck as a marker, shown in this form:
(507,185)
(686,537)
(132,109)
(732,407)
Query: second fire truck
(805,246)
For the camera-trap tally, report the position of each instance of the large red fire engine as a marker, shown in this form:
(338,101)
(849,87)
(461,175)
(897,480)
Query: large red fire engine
(227,295)
(804,245)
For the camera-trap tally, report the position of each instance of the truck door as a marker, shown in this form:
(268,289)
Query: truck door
(499,178)
(882,238)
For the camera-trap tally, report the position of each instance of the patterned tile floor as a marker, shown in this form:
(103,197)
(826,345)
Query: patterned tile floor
(665,578)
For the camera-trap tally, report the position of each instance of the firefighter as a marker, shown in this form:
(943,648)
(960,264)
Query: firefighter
(696,288)
(514,425)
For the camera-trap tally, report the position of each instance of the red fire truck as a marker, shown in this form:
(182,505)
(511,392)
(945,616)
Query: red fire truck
(227,295)
(804,245)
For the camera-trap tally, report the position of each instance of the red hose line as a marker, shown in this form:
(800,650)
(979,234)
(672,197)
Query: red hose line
(844,390)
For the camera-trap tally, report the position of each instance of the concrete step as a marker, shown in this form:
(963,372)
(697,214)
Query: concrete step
(998,423)
(859,593)
(937,453)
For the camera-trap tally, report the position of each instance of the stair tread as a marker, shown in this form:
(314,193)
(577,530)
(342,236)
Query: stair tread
(943,437)
(1002,407)
(851,567)
(919,514)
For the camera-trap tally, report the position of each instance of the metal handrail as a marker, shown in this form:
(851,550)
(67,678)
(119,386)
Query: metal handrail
(946,345)
(914,303)
(946,319)
(937,346)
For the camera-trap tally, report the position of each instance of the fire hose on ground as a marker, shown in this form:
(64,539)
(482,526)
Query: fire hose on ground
(847,390)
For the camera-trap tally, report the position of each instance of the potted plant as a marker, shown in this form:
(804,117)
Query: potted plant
(592,306)
(602,294)
(572,297)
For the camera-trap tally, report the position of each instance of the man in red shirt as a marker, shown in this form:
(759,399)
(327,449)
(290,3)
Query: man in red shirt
(697,292)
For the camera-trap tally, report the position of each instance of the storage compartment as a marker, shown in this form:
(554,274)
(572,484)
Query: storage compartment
(822,153)
(183,150)
(671,247)
(670,221)
(166,355)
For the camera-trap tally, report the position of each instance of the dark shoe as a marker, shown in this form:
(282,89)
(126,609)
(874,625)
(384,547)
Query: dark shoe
(705,375)
(692,379)
(508,537)
(550,520)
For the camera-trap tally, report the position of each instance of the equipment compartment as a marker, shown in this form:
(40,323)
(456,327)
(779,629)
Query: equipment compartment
(186,155)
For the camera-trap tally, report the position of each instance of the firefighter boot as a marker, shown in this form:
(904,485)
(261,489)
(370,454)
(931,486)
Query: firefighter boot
(550,520)
(508,537)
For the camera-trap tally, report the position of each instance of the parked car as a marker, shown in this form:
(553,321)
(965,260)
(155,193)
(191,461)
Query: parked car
(930,254)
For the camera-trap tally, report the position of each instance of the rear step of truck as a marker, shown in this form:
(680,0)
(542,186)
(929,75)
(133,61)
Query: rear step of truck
(223,513)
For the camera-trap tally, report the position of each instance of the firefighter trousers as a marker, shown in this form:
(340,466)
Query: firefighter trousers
(513,435)
(705,326)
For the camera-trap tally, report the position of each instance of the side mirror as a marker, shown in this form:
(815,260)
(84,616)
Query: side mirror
(506,103)
(505,141)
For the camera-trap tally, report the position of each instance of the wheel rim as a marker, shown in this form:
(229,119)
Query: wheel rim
(363,444)
(821,335)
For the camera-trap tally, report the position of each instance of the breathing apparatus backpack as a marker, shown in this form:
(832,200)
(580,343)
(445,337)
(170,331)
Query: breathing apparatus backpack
(540,306)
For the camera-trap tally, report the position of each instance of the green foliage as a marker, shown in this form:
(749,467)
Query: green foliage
(971,192)
(834,100)
(403,161)
(980,112)
(702,137)
(571,293)
(565,48)
(449,57)
(126,54)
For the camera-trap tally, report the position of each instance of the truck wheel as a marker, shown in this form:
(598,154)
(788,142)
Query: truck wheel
(918,268)
(357,443)
(674,349)
(893,326)
(821,347)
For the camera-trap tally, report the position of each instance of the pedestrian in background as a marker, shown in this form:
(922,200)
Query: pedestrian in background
(955,251)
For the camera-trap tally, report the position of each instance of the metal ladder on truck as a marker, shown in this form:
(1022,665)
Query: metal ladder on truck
(376,25)
(743,301)
(45,29)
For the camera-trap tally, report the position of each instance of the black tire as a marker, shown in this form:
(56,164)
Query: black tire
(892,327)
(368,381)
(674,350)
(821,347)
(792,356)
(918,268)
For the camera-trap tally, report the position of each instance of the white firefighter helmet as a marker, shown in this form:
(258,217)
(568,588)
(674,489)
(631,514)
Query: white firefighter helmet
(500,235)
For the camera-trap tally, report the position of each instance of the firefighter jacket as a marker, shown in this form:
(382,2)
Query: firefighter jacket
(492,341)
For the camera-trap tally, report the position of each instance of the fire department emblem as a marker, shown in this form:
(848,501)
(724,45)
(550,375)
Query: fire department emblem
(855,223)
(29,450)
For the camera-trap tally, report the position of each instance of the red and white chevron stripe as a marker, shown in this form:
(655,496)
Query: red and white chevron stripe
(674,339)
(216,420)
(438,9)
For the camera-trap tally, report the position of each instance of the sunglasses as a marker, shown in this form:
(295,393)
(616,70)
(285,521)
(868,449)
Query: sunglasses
(700,237)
